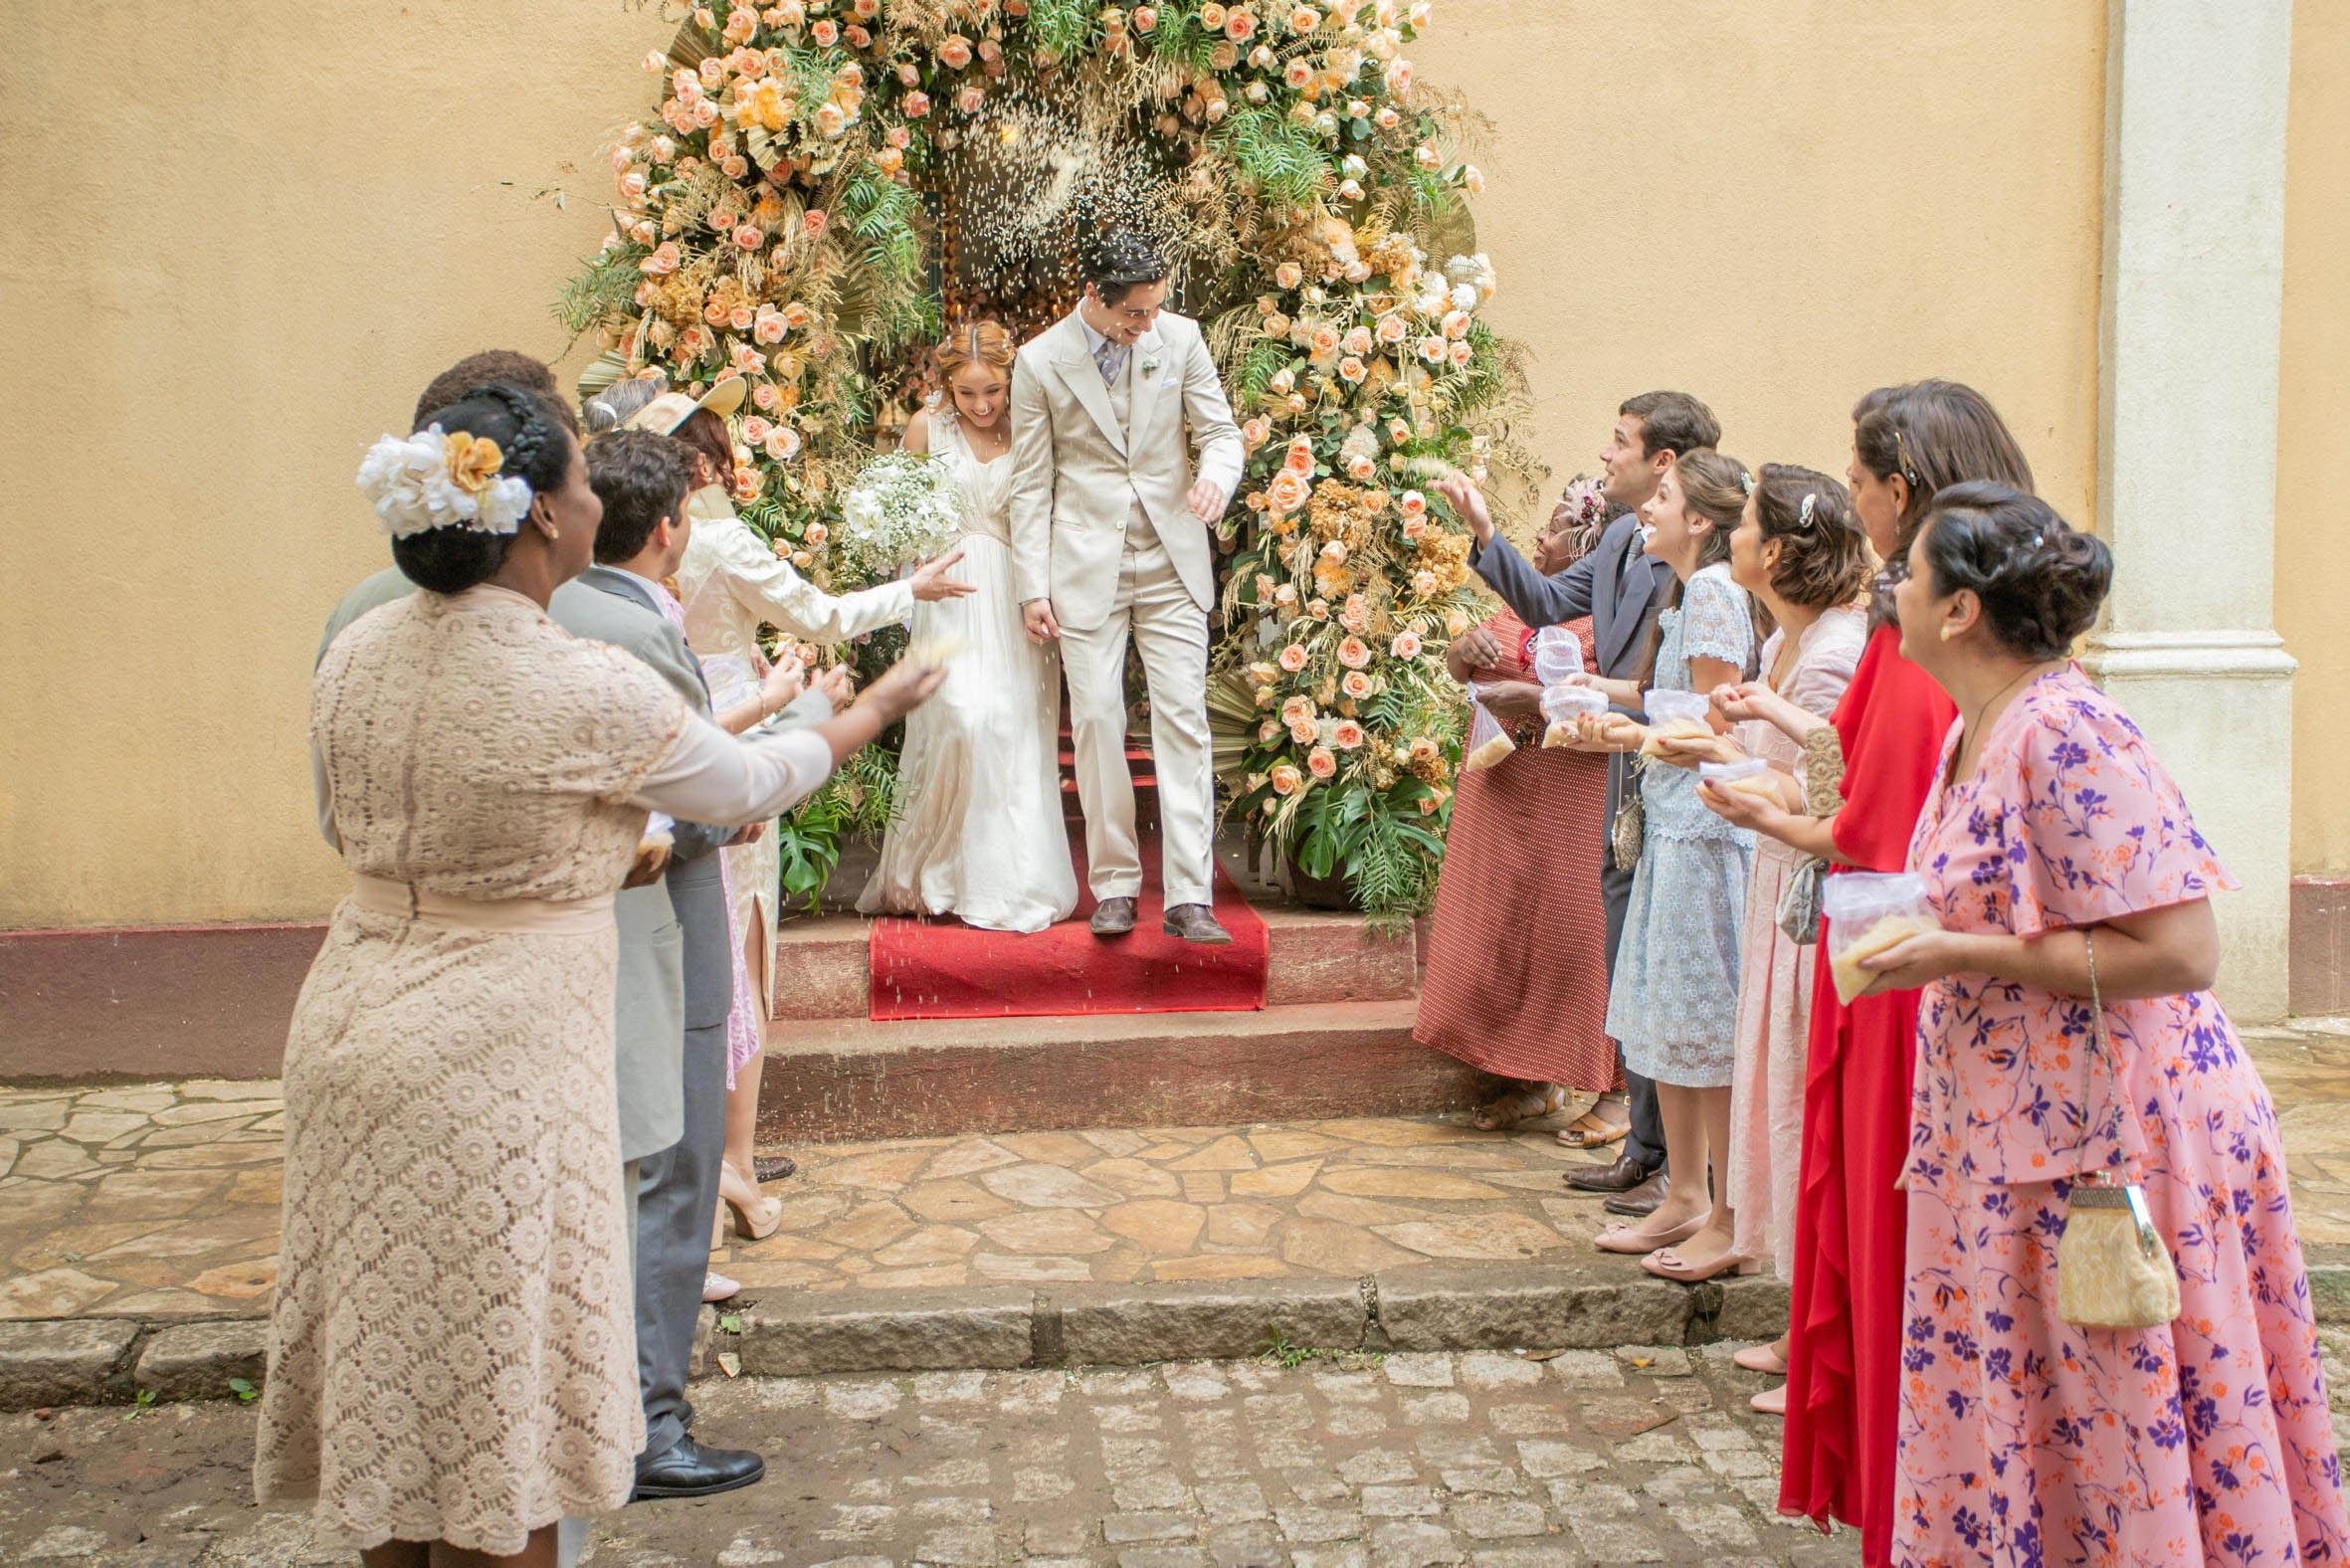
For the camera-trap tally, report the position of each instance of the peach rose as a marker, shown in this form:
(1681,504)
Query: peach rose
(1297,707)
(1240,26)
(745,360)
(763,396)
(754,429)
(1276,324)
(1300,458)
(817,533)
(889,160)
(1456,325)
(1413,505)
(1357,611)
(706,115)
(1393,330)
(1288,276)
(1284,778)
(1334,552)
(814,221)
(955,53)
(1431,349)
(1212,17)
(1319,608)
(1268,731)
(1288,491)
(1286,595)
(825,32)
(1423,584)
(1352,370)
(1399,77)
(971,101)
(1360,468)
(1292,658)
(662,261)
(831,120)
(1304,19)
(1304,732)
(740,319)
(742,23)
(1146,18)
(750,236)
(1256,431)
(1320,764)
(1387,118)
(909,74)
(1357,340)
(917,105)
(1463,353)
(795,316)
(1414,527)
(1349,736)
(867,10)
(631,185)
(1297,75)
(1323,341)
(1353,653)
(1357,684)
(1406,645)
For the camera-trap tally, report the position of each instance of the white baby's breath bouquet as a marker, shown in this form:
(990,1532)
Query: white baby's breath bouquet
(903,508)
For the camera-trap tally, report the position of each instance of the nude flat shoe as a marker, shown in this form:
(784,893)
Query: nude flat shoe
(1666,1264)
(1771,1400)
(1761,1358)
(1628,1239)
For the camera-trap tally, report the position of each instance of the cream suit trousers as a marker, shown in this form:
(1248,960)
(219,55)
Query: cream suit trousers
(1170,630)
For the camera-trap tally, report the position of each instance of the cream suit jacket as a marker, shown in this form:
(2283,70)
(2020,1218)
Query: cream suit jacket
(1078,475)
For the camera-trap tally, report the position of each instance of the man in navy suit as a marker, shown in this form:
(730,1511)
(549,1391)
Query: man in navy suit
(1620,589)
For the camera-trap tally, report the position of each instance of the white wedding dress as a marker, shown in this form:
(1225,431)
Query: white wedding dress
(978,830)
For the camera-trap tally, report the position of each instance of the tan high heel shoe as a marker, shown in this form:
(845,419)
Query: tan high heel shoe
(755,1214)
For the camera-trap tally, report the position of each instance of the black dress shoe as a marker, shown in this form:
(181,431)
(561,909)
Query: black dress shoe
(1113,918)
(1622,1176)
(1194,922)
(691,1471)
(1641,1201)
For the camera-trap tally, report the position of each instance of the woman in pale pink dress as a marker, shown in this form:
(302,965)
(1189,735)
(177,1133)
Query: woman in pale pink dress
(1799,551)
(2066,871)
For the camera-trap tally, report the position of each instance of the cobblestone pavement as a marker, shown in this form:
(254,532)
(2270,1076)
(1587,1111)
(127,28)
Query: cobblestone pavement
(161,1201)
(1480,1457)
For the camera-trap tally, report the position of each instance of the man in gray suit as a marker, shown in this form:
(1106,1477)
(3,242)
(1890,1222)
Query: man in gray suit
(1620,589)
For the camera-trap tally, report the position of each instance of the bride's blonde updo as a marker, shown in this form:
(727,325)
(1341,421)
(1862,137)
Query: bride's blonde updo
(975,343)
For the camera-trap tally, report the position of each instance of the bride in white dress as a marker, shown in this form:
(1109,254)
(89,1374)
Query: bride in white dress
(978,830)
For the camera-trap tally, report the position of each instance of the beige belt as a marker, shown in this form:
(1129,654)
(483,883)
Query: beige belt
(582,917)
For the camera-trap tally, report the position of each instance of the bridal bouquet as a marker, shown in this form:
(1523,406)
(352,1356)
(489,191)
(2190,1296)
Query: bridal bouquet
(902,508)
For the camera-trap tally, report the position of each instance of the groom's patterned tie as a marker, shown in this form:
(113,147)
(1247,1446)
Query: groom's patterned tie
(1111,358)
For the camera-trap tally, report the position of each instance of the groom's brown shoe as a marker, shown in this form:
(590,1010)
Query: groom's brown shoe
(1194,923)
(1113,918)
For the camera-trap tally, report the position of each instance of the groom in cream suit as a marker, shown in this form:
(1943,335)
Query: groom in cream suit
(1110,539)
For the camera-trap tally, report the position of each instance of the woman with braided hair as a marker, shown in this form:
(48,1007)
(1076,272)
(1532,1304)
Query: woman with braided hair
(981,835)
(451,1354)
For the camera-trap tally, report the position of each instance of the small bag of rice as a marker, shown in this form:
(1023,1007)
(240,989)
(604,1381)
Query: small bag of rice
(1489,743)
(1868,913)
(1680,714)
(1563,705)
(1746,776)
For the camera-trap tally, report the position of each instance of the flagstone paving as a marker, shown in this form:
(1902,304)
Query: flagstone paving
(160,1201)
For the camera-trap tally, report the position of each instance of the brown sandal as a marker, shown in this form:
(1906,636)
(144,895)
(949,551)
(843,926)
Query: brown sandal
(1519,1106)
(1591,1130)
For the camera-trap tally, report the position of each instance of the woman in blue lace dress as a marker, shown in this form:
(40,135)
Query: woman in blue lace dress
(1673,1003)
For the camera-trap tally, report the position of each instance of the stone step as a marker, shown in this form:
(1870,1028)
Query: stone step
(848,1080)
(823,968)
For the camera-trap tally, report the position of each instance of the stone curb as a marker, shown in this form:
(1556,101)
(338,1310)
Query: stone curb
(1584,1307)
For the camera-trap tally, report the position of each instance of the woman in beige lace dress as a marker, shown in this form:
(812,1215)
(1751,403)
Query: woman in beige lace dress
(452,1357)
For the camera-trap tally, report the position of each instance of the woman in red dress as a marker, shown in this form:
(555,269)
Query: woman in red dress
(1518,966)
(1842,1359)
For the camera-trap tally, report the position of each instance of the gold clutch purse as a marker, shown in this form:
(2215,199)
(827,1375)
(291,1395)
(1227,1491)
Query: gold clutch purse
(2112,1269)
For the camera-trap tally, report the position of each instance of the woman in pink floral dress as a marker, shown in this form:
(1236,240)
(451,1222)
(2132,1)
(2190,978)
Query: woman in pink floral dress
(2060,854)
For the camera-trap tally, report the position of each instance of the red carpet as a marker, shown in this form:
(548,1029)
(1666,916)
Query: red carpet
(942,968)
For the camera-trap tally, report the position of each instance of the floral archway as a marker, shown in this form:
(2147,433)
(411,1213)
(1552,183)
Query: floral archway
(829,184)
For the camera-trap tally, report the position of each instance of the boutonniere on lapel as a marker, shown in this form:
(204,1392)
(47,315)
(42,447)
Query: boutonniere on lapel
(1151,363)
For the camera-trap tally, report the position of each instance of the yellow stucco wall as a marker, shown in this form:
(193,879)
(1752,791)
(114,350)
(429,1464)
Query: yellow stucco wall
(240,273)
(2313,436)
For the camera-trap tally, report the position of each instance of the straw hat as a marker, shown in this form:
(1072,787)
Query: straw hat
(667,412)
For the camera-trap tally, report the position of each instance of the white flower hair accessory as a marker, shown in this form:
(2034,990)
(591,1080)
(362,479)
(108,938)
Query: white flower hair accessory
(433,481)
